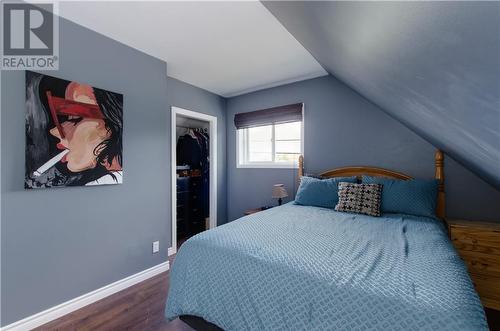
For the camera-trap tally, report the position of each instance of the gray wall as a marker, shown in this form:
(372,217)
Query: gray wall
(57,244)
(433,65)
(342,128)
(190,97)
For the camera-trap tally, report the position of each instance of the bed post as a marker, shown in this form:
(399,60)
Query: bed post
(300,171)
(439,163)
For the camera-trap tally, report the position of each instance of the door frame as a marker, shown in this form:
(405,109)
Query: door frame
(212,120)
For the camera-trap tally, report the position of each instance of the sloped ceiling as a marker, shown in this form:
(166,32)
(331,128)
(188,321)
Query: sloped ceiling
(435,66)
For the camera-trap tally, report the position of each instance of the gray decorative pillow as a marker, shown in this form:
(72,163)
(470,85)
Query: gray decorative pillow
(359,198)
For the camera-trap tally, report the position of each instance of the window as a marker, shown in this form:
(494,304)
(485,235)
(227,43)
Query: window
(270,146)
(270,138)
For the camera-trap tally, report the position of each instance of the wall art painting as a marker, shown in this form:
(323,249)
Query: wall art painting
(73,133)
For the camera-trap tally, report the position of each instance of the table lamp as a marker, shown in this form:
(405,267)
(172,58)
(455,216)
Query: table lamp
(279,192)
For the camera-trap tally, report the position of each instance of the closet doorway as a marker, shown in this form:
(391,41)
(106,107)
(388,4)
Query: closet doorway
(194,174)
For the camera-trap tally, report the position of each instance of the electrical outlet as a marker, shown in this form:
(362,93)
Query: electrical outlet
(156,246)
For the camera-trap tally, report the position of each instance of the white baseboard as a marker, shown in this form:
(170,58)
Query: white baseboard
(67,307)
(171,251)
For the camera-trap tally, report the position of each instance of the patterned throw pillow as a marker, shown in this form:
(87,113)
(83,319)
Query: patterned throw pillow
(359,198)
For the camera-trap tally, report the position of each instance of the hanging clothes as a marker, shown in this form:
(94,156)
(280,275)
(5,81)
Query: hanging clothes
(189,151)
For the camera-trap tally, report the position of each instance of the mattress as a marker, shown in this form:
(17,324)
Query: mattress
(309,268)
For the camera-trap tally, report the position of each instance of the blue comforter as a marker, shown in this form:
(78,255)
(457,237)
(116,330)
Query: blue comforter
(308,268)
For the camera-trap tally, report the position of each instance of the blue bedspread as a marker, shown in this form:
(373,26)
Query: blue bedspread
(308,268)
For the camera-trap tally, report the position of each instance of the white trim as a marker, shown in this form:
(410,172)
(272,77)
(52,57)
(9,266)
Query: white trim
(302,138)
(212,120)
(269,165)
(67,307)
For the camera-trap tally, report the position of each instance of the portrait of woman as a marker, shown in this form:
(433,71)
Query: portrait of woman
(73,133)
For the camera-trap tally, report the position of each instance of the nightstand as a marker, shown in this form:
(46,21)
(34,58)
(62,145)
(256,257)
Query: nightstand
(253,211)
(478,243)
(256,210)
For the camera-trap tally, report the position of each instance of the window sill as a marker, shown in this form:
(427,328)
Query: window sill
(268,166)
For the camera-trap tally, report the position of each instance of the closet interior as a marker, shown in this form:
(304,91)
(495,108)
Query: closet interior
(193,173)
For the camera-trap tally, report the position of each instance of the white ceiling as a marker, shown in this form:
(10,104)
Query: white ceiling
(228,48)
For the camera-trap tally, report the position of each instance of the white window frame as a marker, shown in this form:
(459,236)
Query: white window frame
(240,149)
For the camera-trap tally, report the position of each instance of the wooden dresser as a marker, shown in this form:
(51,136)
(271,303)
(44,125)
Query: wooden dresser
(478,243)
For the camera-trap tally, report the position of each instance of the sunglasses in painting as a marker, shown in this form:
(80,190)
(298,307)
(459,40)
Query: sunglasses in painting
(67,109)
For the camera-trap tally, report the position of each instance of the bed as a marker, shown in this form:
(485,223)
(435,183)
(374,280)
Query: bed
(309,268)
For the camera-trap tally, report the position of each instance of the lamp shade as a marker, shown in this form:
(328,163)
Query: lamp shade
(279,191)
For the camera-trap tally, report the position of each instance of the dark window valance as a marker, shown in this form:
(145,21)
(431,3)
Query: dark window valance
(275,115)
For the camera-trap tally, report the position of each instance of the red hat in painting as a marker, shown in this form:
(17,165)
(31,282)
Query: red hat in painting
(79,100)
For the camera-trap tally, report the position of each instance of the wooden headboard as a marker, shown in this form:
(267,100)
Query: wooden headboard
(359,171)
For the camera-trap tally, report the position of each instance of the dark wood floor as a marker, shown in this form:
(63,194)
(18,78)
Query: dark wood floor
(141,308)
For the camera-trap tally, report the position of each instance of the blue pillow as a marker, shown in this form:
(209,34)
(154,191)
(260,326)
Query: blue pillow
(415,197)
(320,192)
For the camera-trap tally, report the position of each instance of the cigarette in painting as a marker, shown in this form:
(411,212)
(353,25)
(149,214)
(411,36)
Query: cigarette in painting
(50,163)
